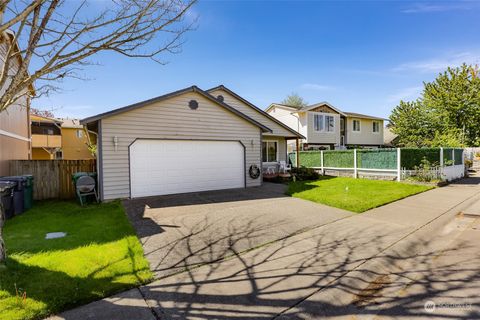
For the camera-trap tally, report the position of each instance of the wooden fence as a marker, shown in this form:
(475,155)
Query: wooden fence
(52,178)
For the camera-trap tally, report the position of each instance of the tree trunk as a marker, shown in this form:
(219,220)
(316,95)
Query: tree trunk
(3,254)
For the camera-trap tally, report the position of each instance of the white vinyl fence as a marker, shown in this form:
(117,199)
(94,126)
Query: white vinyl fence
(386,162)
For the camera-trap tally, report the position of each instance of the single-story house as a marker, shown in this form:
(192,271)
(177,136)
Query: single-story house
(186,141)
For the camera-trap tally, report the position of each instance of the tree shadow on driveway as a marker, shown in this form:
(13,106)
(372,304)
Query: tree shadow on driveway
(315,275)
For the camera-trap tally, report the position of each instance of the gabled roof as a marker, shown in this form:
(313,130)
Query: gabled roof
(324,103)
(364,116)
(248,103)
(35,118)
(313,106)
(282,106)
(11,35)
(306,108)
(71,123)
(171,95)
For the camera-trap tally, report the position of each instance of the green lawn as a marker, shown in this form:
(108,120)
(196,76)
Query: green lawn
(99,256)
(357,195)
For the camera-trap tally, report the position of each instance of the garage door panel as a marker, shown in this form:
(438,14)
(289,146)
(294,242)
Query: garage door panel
(160,167)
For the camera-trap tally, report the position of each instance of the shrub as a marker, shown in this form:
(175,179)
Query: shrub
(426,171)
(304,173)
(468,163)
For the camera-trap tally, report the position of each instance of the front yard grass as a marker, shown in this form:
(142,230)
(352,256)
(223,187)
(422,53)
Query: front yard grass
(99,256)
(357,195)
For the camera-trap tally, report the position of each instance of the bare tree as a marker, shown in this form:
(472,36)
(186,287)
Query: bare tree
(56,38)
(44,41)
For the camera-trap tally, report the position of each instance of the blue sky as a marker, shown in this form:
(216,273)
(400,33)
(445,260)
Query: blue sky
(361,56)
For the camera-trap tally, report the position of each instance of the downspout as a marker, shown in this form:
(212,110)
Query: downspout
(298,125)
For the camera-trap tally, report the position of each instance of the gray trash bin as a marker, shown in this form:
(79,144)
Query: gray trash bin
(6,197)
(18,192)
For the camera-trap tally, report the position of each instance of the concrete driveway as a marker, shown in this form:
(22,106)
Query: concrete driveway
(179,232)
(382,264)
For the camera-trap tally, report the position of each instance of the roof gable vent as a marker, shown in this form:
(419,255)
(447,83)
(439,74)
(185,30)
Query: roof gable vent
(193,104)
(220,98)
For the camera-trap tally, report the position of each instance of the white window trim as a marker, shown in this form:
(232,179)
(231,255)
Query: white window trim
(278,151)
(323,114)
(359,124)
(376,132)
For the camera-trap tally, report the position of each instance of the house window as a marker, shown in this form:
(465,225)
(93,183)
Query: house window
(329,123)
(356,125)
(79,134)
(318,122)
(59,155)
(269,151)
(376,127)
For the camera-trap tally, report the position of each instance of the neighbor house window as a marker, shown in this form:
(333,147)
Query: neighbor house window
(269,151)
(356,125)
(376,127)
(318,122)
(79,134)
(329,123)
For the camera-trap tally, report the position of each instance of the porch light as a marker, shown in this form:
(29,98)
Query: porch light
(115,142)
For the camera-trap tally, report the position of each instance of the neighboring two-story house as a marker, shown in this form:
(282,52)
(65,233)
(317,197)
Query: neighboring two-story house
(75,140)
(55,139)
(46,138)
(327,127)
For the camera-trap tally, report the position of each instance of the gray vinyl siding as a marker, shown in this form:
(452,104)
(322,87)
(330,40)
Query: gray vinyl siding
(277,129)
(171,119)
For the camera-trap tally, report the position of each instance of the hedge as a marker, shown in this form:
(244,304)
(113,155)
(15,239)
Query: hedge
(458,156)
(447,156)
(337,159)
(308,159)
(411,158)
(377,159)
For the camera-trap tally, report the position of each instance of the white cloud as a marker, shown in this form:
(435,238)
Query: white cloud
(316,87)
(439,64)
(438,7)
(405,94)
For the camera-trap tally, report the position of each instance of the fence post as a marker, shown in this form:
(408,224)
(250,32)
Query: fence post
(441,157)
(321,162)
(453,156)
(399,164)
(355,174)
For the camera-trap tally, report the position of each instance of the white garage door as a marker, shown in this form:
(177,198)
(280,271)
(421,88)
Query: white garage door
(160,167)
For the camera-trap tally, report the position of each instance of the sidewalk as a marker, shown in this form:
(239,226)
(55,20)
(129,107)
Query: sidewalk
(301,276)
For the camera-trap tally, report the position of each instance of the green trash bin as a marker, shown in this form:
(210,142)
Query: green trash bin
(28,193)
